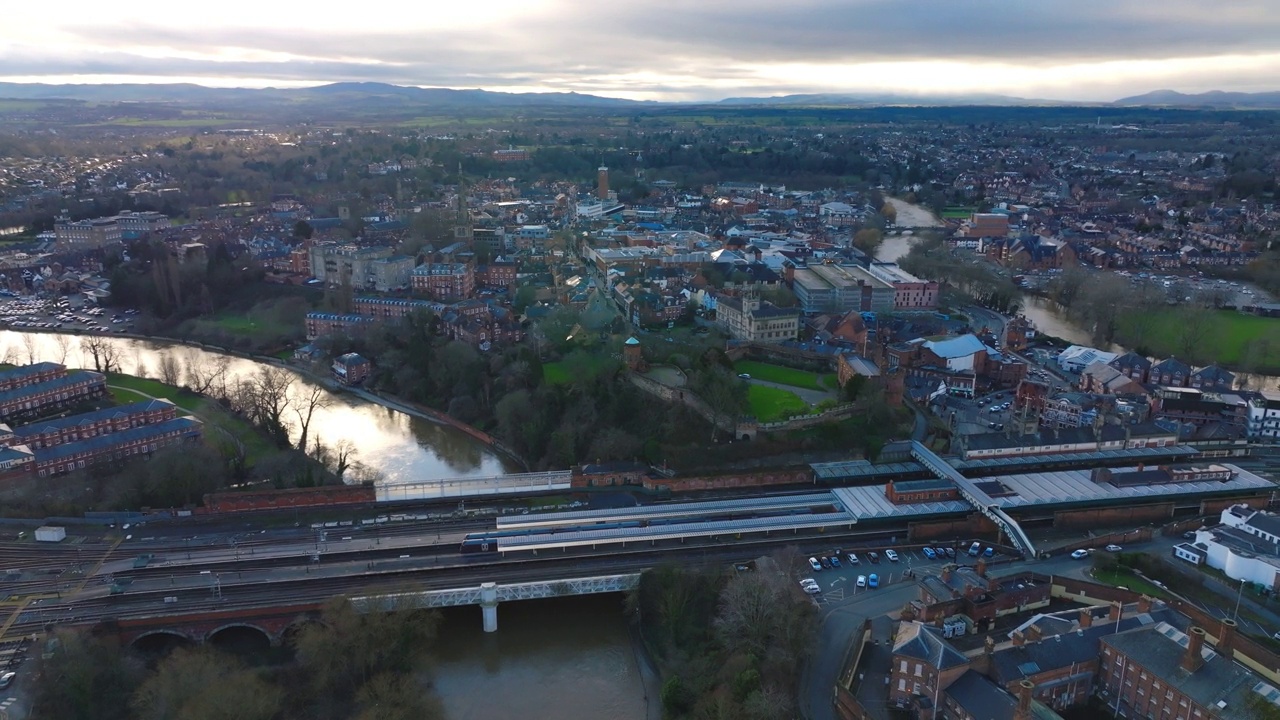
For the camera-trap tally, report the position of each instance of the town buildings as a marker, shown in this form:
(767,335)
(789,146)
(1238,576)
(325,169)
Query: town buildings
(445,281)
(751,319)
(43,397)
(351,368)
(106,231)
(841,288)
(910,292)
(336,264)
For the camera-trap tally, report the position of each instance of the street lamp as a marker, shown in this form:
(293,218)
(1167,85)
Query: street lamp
(1240,592)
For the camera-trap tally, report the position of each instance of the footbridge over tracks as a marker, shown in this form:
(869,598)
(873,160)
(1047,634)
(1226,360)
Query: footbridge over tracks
(468,487)
(488,595)
(943,470)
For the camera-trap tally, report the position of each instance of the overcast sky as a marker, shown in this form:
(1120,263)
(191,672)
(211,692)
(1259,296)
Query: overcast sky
(658,49)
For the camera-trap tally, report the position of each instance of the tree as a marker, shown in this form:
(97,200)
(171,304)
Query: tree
(336,459)
(868,240)
(85,677)
(264,398)
(305,404)
(170,370)
(29,345)
(889,212)
(302,230)
(725,394)
(204,684)
(205,376)
(391,696)
(1194,326)
(63,343)
(103,352)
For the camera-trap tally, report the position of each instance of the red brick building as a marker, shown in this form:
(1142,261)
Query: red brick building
(499,275)
(30,374)
(44,434)
(321,324)
(49,395)
(906,492)
(115,446)
(444,281)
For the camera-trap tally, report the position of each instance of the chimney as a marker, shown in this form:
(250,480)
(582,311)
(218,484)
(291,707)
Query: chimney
(982,567)
(1026,689)
(1192,659)
(1086,618)
(946,573)
(1144,604)
(1018,639)
(1034,634)
(1116,609)
(1227,638)
(989,645)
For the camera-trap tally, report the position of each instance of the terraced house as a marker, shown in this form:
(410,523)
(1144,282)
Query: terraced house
(50,395)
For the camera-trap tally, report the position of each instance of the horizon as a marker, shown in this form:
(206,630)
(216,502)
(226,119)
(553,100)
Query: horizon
(1089,51)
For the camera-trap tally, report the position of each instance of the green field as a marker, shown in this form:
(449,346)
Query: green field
(129,388)
(1227,340)
(785,375)
(556,373)
(957,213)
(577,365)
(769,404)
(154,388)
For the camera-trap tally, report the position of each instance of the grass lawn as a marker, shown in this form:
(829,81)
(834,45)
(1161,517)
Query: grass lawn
(1223,342)
(957,213)
(578,364)
(155,388)
(1124,578)
(769,404)
(124,397)
(785,375)
(556,373)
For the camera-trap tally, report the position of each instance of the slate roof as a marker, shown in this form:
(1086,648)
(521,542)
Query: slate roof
(26,391)
(1058,650)
(26,371)
(956,347)
(923,642)
(89,418)
(94,444)
(1159,649)
(981,698)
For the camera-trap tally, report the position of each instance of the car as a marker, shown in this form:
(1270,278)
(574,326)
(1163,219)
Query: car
(835,561)
(874,557)
(873,580)
(893,556)
(7,679)
(1080,554)
(813,563)
(825,563)
(989,552)
(810,586)
(950,552)
(862,581)
(1114,548)
(853,558)
(929,553)
(745,376)
(974,549)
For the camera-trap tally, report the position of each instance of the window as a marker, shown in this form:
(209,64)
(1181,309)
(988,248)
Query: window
(919,669)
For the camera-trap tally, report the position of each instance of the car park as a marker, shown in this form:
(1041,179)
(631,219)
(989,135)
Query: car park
(873,580)
(862,581)
(813,563)
(893,556)
(1080,554)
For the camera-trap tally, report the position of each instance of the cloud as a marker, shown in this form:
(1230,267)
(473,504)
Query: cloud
(708,48)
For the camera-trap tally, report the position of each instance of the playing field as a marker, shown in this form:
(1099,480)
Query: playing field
(1231,339)
(769,404)
(784,375)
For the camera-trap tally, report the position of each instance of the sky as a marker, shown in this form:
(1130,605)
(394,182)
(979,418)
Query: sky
(1088,50)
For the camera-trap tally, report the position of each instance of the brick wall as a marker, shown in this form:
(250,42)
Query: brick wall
(1109,517)
(290,498)
(725,482)
(973,526)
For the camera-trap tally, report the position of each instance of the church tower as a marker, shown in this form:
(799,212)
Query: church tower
(462,229)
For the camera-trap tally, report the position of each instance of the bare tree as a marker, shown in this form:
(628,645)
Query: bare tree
(7,355)
(207,377)
(170,370)
(337,459)
(64,346)
(264,398)
(1195,326)
(29,345)
(104,353)
(305,404)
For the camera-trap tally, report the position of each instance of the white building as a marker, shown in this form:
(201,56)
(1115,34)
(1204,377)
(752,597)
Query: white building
(1078,357)
(1246,546)
(1264,417)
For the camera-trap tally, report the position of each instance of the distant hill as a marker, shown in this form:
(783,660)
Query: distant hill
(1211,99)
(380,94)
(879,100)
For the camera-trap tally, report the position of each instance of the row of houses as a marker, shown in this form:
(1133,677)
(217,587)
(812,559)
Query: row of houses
(475,322)
(62,389)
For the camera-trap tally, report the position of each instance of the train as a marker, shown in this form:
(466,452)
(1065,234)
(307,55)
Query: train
(488,541)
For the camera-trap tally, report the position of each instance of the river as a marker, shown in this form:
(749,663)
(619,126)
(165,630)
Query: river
(567,657)
(401,448)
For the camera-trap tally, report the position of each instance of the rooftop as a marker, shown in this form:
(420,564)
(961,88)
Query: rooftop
(1159,649)
(924,642)
(90,418)
(1075,486)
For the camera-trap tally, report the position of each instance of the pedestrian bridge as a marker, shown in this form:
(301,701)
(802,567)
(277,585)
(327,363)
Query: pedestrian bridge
(466,487)
(969,492)
(488,595)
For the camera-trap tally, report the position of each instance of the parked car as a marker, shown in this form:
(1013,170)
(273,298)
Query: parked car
(873,580)
(893,556)
(7,679)
(1114,548)
(951,553)
(974,549)
(853,558)
(929,553)
(874,557)
(1080,554)
(813,563)
(810,586)
(989,552)
(825,563)
(862,581)
(835,561)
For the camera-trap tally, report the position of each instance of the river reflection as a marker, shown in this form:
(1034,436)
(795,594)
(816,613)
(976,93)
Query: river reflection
(399,447)
(549,660)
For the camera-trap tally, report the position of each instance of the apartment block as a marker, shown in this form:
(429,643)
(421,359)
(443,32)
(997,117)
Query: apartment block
(841,288)
(50,395)
(446,282)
